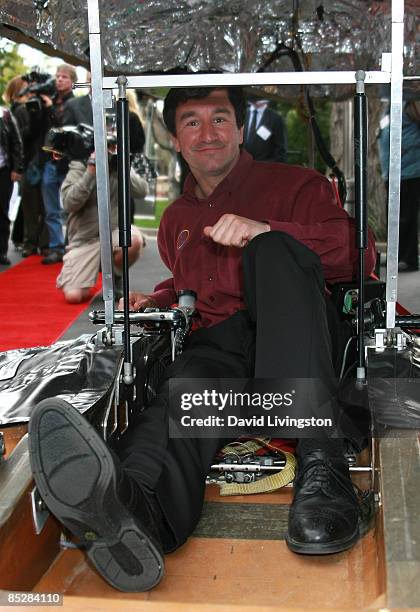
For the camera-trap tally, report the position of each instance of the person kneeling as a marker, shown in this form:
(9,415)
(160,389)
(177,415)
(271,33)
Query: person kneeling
(81,261)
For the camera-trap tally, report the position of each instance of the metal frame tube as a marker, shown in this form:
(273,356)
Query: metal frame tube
(249,78)
(360,192)
(348,155)
(394,160)
(101,151)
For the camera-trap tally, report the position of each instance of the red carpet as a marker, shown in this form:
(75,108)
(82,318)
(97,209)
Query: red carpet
(33,312)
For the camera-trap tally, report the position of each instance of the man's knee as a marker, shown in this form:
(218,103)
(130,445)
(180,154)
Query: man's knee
(134,251)
(136,245)
(76,296)
(280,244)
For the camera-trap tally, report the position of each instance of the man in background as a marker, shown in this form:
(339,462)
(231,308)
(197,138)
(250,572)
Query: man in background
(265,134)
(408,249)
(79,109)
(11,167)
(54,172)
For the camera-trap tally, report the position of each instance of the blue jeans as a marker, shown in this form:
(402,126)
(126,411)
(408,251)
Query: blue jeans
(51,183)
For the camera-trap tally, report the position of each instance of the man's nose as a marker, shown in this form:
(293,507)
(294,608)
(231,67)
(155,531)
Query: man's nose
(207,131)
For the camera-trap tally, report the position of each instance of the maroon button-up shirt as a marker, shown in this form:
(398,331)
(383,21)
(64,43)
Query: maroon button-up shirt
(291,199)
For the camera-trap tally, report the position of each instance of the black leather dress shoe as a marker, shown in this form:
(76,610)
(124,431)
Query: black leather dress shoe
(405,267)
(324,516)
(52,258)
(84,486)
(27,251)
(4,260)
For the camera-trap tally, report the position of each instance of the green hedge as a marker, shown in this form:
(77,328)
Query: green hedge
(160,207)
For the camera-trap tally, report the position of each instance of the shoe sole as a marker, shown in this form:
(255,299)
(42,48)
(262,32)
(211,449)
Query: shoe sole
(318,548)
(75,475)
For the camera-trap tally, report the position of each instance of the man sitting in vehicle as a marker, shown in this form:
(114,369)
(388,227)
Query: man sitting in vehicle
(255,241)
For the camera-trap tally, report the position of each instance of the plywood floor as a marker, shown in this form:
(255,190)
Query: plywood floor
(234,571)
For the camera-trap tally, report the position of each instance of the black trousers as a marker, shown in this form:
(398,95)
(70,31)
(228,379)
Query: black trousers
(32,205)
(282,333)
(18,228)
(6,189)
(409,212)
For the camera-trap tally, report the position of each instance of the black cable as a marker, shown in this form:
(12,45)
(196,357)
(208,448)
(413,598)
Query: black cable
(283,50)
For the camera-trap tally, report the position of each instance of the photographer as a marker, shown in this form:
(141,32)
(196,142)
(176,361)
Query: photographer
(31,210)
(48,114)
(82,258)
(11,166)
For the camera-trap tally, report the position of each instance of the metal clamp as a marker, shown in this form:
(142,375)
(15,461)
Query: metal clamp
(390,338)
(40,513)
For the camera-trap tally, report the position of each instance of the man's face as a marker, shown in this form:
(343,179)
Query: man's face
(63,82)
(207,135)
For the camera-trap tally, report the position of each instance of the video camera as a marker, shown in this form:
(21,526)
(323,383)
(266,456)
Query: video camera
(39,83)
(76,142)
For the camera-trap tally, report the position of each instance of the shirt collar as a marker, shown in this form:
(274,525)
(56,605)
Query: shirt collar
(64,98)
(260,107)
(230,183)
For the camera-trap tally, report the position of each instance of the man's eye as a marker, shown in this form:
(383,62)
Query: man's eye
(219,119)
(193,123)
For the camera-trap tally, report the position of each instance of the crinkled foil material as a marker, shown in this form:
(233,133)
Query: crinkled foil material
(231,36)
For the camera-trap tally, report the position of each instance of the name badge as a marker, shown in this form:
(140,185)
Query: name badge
(263,132)
(384,122)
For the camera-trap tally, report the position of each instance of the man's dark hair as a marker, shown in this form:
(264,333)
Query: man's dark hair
(177,96)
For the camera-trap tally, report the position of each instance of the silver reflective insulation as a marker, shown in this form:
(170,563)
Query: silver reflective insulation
(230,36)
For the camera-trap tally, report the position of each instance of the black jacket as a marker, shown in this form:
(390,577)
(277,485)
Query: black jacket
(42,119)
(11,141)
(31,141)
(274,147)
(79,110)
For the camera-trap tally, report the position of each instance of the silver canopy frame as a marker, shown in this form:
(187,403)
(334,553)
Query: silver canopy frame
(394,160)
(101,151)
(391,72)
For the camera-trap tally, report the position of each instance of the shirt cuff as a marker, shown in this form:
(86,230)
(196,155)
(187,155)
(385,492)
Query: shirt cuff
(285,226)
(164,297)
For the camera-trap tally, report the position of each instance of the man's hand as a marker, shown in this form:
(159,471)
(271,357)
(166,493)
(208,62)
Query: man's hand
(233,230)
(91,164)
(137,301)
(15,176)
(46,100)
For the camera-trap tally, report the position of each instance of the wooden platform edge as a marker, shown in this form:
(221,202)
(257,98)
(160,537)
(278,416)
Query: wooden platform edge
(400,500)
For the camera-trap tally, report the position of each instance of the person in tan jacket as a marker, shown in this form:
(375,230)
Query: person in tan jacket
(82,258)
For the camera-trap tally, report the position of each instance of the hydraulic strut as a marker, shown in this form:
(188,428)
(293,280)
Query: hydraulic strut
(360,180)
(124,216)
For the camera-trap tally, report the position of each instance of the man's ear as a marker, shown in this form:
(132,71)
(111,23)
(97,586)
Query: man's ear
(241,135)
(175,142)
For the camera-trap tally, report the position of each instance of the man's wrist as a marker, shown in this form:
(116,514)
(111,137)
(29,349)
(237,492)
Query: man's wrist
(264,229)
(91,167)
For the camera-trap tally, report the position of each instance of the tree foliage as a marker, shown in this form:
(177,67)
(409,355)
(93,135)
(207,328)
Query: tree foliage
(11,63)
(299,132)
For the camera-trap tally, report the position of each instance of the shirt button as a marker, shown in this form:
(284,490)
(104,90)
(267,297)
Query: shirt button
(211,204)
(211,298)
(210,278)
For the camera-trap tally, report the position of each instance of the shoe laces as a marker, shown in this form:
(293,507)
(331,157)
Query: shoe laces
(319,474)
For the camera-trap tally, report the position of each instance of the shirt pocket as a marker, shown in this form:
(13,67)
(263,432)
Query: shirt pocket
(229,270)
